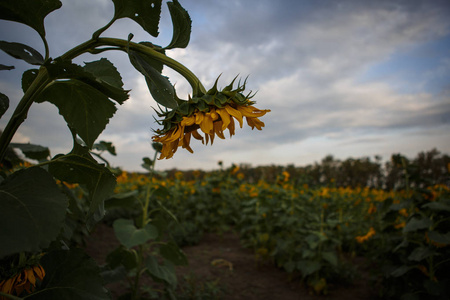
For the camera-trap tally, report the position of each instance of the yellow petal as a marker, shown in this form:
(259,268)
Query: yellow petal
(255,122)
(218,129)
(225,116)
(235,113)
(207,124)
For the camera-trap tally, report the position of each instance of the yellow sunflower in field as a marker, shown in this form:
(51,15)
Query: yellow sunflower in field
(25,280)
(205,117)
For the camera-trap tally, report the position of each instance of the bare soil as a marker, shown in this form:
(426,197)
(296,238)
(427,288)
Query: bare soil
(221,261)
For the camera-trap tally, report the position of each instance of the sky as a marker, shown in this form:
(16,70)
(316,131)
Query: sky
(343,78)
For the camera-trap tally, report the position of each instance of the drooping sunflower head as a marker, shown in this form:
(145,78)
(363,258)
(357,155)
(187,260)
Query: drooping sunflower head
(205,116)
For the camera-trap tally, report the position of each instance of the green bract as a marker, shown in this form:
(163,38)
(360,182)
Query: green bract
(213,98)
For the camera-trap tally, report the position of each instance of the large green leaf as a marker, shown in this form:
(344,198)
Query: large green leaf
(160,87)
(32,151)
(84,108)
(441,238)
(70,275)
(100,74)
(106,73)
(164,272)
(4,104)
(32,211)
(21,51)
(75,168)
(415,224)
(145,12)
(29,12)
(130,236)
(182,25)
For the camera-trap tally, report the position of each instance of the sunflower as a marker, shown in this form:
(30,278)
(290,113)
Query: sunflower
(205,117)
(25,280)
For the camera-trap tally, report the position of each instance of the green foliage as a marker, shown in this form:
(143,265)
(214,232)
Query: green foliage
(71,275)
(53,205)
(33,210)
(130,236)
(29,12)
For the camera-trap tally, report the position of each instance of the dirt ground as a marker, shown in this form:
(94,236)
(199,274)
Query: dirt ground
(221,261)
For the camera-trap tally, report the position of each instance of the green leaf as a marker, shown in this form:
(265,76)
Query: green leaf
(4,104)
(415,224)
(145,12)
(28,77)
(28,12)
(21,51)
(400,271)
(437,206)
(441,238)
(330,257)
(123,200)
(420,253)
(84,108)
(32,211)
(174,254)
(74,168)
(101,75)
(308,267)
(165,272)
(105,146)
(122,257)
(160,87)
(289,266)
(4,67)
(109,78)
(130,236)
(182,25)
(33,151)
(70,275)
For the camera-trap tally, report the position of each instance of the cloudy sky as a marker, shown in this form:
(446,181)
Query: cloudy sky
(347,78)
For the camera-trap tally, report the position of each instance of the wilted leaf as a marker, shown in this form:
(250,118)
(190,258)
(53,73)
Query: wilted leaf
(28,12)
(130,236)
(145,12)
(182,25)
(84,108)
(70,275)
(160,87)
(32,211)
(21,51)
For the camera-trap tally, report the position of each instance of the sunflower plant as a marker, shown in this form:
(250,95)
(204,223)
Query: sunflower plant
(34,208)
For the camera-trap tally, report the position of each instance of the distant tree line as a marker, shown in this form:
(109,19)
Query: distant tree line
(425,169)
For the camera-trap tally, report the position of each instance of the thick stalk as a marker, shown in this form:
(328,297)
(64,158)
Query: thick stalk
(21,112)
(142,49)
